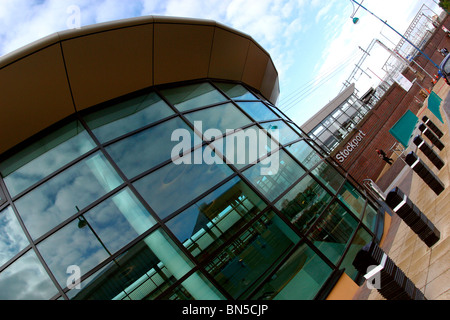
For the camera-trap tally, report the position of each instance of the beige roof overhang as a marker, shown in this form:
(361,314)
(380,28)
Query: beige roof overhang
(69,71)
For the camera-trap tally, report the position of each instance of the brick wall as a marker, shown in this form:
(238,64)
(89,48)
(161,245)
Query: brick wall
(363,162)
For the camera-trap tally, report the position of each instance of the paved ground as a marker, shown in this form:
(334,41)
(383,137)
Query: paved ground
(428,268)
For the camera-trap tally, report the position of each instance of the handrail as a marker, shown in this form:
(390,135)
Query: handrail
(373,189)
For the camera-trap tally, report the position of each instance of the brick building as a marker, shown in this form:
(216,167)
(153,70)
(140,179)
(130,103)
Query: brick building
(357,152)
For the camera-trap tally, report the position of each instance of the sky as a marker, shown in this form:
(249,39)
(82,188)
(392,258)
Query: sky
(313,43)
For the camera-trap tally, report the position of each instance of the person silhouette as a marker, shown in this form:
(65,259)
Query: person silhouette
(383,156)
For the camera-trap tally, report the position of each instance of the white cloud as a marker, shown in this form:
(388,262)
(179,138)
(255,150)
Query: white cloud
(342,44)
(204,9)
(323,11)
(22,21)
(282,27)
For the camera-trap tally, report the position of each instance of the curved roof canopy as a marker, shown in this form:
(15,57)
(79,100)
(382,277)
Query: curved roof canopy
(72,70)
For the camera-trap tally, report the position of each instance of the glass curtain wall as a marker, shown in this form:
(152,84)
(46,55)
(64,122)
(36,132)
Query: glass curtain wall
(149,198)
(340,123)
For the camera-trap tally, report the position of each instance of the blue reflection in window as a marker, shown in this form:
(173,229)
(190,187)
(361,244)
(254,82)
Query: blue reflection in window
(236,91)
(285,133)
(118,220)
(45,157)
(333,231)
(193,96)
(26,279)
(144,272)
(12,237)
(245,146)
(215,218)
(172,186)
(127,116)
(258,111)
(299,278)
(304,153)
(62,196)
(286,171)
(223,117)
(352,198)
(72,245)
(146,149)
(242,264)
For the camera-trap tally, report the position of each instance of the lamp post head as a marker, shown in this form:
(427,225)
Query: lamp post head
(355,20)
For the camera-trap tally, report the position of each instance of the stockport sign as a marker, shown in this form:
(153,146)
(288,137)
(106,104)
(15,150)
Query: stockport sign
(351,145)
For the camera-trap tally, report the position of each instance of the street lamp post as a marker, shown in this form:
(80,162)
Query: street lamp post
(355,20)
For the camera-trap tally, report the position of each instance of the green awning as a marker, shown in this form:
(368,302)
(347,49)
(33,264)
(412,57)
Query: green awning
(434,102)
(404,127)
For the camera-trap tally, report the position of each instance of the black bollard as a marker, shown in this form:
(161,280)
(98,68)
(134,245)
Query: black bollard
(393,283)
(431,136)
(430,124)
(412,216)
(428,151)
(424,172)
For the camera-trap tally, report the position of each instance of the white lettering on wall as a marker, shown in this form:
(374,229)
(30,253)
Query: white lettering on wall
(351,145)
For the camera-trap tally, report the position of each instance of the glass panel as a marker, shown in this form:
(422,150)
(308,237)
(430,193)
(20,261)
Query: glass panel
(336,113)
(337,130)
(329,140)
(2,196)
(12,237)
(332,233)
(285,133)
(258,111)
(26,279)
(245,146)
(352,112)
(222,117)
(193,96)
(82,292)
(62,196)
(344,120)
(370,217)
(277,112)
(299,278)
(365,108)
(117,220)
(236,91)
(72,245)
(304,153)
(274,174)
(45,157)
(210,222)
(240,267)
(362,238)
(180,292)
(327,121)
(173,185)
(352,198)
(146,149)
(304,203)
(318,130)
(329,176)
(345,106)
(143,272)
(127,116)
(273,180)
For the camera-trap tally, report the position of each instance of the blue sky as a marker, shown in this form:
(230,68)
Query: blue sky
(313,43)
